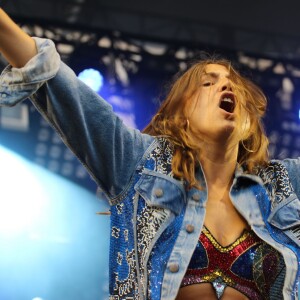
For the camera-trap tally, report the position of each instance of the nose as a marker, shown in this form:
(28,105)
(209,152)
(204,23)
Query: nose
(225,85)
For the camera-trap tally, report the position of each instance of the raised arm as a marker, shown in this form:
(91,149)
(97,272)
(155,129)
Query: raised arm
(87,124)
(15,45)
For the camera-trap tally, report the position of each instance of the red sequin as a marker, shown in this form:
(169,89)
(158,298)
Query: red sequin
(221,260)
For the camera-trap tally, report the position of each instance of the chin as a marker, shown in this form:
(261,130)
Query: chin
(229,127)
(227,132)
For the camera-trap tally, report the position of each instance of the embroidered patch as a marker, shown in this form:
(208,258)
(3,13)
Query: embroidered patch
(276,180)
(160,159)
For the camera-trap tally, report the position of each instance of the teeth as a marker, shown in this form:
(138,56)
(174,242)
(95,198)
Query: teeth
(227,100)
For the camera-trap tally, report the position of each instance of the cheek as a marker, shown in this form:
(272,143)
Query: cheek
(198,105)
(192,106)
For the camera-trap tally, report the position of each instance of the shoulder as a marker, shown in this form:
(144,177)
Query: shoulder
(159,155)
(279,179)
(276,179)
(273,170)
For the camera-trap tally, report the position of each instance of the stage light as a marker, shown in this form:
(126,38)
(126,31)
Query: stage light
(92,78)
(49,235)
(17,212)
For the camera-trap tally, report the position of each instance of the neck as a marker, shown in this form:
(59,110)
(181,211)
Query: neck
(218,163)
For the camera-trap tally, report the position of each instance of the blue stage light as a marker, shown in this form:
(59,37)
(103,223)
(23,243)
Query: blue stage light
(49,235)
(20,213)
(92,78)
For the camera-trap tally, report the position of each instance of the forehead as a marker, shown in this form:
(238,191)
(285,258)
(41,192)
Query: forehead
(216,69)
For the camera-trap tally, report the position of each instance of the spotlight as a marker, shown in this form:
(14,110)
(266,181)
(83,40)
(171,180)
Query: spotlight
(93,78)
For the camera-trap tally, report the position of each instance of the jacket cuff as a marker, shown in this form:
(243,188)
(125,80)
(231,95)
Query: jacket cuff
(17,84)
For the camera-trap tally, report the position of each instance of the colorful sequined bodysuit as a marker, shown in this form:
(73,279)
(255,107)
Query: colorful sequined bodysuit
(248,265)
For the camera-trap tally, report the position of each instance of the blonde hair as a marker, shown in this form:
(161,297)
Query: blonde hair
(171,121)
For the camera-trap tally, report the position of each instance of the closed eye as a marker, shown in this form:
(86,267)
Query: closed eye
(208,83)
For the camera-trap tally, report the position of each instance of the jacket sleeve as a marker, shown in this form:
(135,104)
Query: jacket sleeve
(107,148)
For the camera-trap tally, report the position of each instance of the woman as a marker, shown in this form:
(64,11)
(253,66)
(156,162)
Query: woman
(197,210)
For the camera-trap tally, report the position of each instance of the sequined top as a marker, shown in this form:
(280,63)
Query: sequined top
(248,265)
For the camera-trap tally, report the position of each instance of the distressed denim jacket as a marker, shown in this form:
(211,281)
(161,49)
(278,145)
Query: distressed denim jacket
(155,222)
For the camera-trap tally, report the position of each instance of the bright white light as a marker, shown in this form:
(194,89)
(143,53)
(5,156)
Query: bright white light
(21,201)
(92,78)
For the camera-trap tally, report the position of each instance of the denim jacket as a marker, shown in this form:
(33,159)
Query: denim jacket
(155,221)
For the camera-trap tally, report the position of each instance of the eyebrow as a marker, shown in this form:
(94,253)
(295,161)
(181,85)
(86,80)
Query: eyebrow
(214,74)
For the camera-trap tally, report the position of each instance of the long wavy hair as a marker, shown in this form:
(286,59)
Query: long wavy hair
(171,121)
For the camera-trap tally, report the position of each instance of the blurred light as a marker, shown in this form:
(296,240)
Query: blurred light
(68,155)
(41,149)
(122,45)
(104,42)
(124,108)
(136,57)
(285,93)
(181,53)
(92,78)
(121,103)
(279,69)
(18,212)
(155,48)
(15,118)
(248,61)
(287,85)
(121,72)
(80,172)
(43,134)
(264,64)
(55,152)
(65,48)
(46,222)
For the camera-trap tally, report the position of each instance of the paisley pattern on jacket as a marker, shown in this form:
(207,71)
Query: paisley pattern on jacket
(276,180)
(150,219)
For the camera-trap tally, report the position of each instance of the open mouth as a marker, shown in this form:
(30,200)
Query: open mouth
(227,103)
